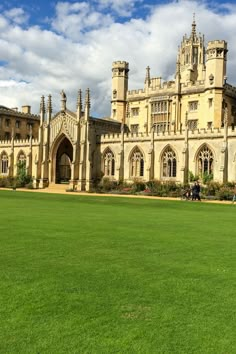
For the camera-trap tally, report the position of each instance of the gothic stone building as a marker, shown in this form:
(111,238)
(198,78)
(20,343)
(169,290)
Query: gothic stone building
(161,131)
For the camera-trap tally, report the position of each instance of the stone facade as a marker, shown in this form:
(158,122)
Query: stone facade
(161,131)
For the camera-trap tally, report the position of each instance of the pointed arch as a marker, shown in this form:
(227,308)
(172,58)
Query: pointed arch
(4,163)
(21,161)
(204,160)
(108,162)
(136,162)
(168,162)
(21,156)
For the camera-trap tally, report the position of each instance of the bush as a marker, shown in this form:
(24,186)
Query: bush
(192,177)
(207,177)
(138,186)
(106,185)
(211,188)
(225,193)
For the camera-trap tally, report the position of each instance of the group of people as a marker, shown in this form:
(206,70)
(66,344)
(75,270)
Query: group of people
(192,193)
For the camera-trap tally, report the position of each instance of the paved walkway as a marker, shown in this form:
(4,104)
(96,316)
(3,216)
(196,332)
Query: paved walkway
(61,189)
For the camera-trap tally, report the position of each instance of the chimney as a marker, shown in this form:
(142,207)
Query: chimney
(26,109)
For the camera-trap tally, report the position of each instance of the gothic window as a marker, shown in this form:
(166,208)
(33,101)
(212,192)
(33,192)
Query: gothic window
(4,163)
(169,163)
(7,136)
(134,112)
(159,107)
(136,164)
(193,106)
(192,124)
(108,163)
(134,128)
(21,161)
(195,55)
(161,127)
(17,124)
(205,161)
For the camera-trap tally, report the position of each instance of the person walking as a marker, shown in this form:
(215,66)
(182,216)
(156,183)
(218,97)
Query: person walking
(196,189)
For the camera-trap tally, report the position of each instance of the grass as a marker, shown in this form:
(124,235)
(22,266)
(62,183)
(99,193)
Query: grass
(83,274)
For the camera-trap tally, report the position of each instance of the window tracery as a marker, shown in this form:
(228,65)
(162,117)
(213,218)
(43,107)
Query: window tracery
(205,161)
(137,164)
(108,163)
(169,164)
(4,164)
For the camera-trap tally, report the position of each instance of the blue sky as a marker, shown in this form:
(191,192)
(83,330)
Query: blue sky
(47,46)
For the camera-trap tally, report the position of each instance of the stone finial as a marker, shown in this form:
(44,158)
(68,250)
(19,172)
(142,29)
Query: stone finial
(79,101)
(87,98)
(193,26)
(49,105)
(42,105)
(63,101)
(147,78)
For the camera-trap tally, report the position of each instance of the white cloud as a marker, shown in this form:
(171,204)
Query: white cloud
(17,15)
(121,7)
(78,50)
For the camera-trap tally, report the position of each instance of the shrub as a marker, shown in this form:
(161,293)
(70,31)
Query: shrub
(211,188)
(106,184)
(192,177)
(138,186)
(154,186)
(225,193)
(207,177)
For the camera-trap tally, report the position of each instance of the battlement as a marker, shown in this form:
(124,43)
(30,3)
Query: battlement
(18,142)
(17,113)
(196,84)
(136,92)
(5,143)
(229,89)
(166,135)
(120,64)
(217,44)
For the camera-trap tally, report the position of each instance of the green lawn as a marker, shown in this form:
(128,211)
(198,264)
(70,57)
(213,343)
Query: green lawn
(84,274)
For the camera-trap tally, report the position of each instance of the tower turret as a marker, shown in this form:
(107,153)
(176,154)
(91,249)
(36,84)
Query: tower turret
(120,71)
(192,56)
(216,57)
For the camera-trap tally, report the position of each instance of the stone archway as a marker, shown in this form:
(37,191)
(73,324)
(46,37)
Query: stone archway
(64,156)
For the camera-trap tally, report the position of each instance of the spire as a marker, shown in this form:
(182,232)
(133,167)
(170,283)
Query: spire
(49,107)
(147,79)
(87,98)
(42,105)
(193,35)
(79,101)
(42,110)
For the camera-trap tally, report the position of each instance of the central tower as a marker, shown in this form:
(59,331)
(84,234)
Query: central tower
(191,57)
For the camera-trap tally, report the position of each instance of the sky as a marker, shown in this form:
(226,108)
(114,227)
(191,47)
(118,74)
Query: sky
(47,46)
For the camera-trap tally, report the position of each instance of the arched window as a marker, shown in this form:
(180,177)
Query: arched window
(205,161)
(21,161)
(108,163)
(169,163)
(137,164)
(4,163)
